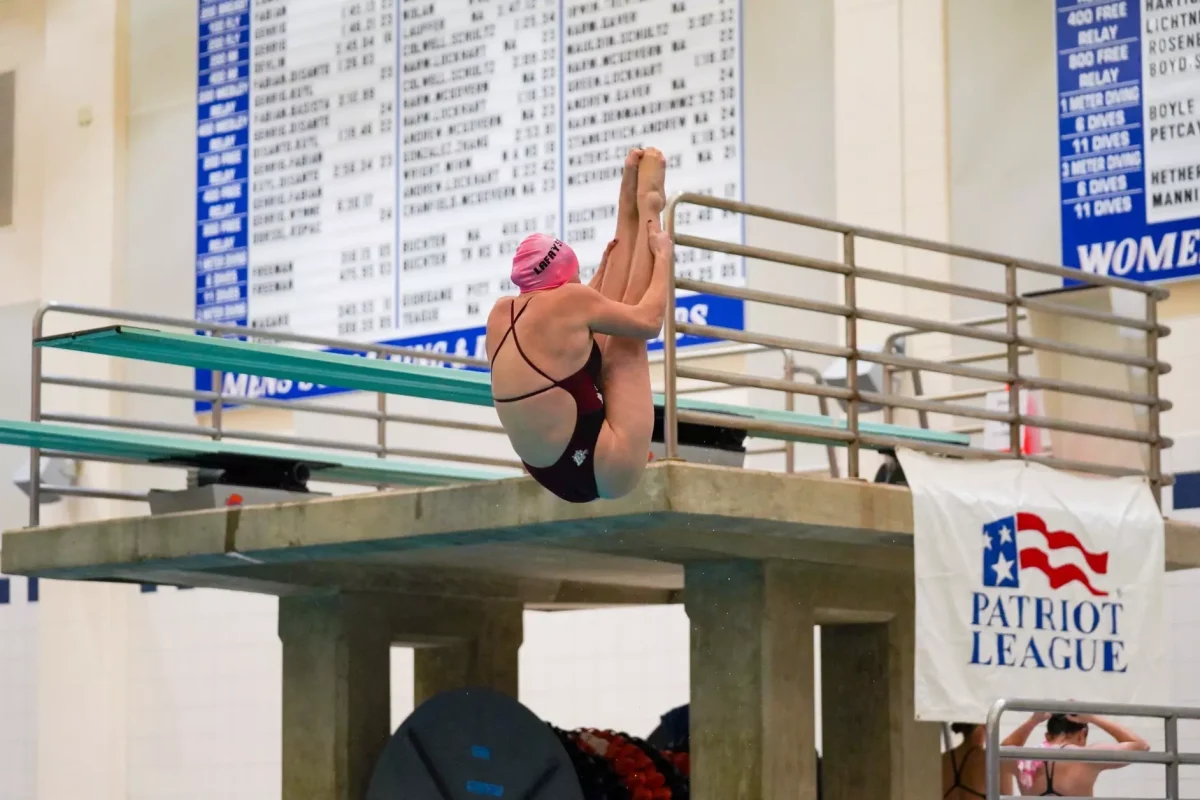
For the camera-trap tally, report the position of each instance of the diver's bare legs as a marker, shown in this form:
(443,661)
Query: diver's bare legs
(624,448)
(651,197)
(620,256)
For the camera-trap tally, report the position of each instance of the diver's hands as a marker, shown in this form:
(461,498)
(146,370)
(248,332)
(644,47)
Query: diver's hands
(607,251)
(660,242)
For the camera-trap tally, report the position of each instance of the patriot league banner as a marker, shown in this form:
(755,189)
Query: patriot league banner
(1033,583)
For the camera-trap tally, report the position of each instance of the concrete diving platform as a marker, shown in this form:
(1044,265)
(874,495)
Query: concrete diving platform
(757,558)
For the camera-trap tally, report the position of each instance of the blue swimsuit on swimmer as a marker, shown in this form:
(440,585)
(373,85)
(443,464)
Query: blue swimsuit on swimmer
(573,476)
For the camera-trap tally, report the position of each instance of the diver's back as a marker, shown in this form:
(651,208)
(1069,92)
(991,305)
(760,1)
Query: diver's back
(547,344)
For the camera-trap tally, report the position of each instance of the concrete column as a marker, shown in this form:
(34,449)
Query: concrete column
(335,694)
(487,658)
(752,731)
(916,763)
(855,698)
(873,747)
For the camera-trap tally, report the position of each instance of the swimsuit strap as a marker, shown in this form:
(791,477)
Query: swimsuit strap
(956,769)
(1050,777)
(1049,781)
(512,328)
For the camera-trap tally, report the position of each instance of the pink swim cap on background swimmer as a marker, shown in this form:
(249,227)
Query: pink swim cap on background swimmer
(543,262)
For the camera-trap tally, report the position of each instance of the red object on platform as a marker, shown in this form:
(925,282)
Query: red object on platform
(234,499)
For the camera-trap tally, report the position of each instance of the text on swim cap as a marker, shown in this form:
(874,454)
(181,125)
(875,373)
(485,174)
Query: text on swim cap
(550,255)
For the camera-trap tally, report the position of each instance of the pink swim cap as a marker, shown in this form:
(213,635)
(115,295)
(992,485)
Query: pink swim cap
(543,262)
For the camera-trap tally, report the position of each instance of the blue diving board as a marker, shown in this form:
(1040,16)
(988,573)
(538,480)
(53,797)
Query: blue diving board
(179,451)
(393,377)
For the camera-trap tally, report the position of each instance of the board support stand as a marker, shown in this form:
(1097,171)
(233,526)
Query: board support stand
(486,658)
(752,728)
(336,675)
(752,715)
(867,685)
(337,671)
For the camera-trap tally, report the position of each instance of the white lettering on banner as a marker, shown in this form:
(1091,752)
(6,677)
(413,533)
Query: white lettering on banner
(696,315)
(1144,254)
(1033,583)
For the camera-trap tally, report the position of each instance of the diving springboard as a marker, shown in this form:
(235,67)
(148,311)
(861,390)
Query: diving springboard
(413,380)
(178,451)
(815,421)
(274,361)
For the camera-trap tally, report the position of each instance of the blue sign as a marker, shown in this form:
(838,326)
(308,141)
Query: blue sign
(223,161)
(365,171)
(1129,137)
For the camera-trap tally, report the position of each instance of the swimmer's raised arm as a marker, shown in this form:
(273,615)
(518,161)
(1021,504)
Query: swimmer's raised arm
(1126,739)
(644,320)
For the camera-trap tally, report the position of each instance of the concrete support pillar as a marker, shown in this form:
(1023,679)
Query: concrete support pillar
(489,658)
(916,746)
(855,696)
(335,694)
(873,747)
(752,731)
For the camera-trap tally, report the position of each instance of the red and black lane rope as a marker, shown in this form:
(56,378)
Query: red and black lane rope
(613,766)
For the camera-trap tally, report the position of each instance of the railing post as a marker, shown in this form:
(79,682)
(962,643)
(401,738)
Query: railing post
(919,391)
(35,415)
(789,403)
(218,416)
(1014,359)
(670,411)
(851,301)
(1154,421)
(991,751)
(889,380)
(1172,746)
(381,405)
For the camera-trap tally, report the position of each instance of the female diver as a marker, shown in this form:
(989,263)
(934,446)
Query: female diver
(570,374)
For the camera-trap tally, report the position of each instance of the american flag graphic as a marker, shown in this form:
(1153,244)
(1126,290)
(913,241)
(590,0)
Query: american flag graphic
(1022,541)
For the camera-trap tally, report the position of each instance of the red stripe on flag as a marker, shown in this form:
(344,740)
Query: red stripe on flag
(1058,540)
(1033,558)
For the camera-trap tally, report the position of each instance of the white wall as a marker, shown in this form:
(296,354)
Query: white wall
(921,116)
(204,698)
(181,696)
(21,34)
(18,616)
(20,251)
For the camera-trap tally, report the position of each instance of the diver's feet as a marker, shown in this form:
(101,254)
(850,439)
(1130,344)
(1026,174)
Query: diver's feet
(651,190)
(628,209)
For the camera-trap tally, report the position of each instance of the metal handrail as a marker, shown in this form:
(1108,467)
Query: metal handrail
(218,429)
(721,381)
(1015,343)
(1170,757)
(893,345)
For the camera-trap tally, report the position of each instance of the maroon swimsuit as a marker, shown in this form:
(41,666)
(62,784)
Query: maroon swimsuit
(573,476)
